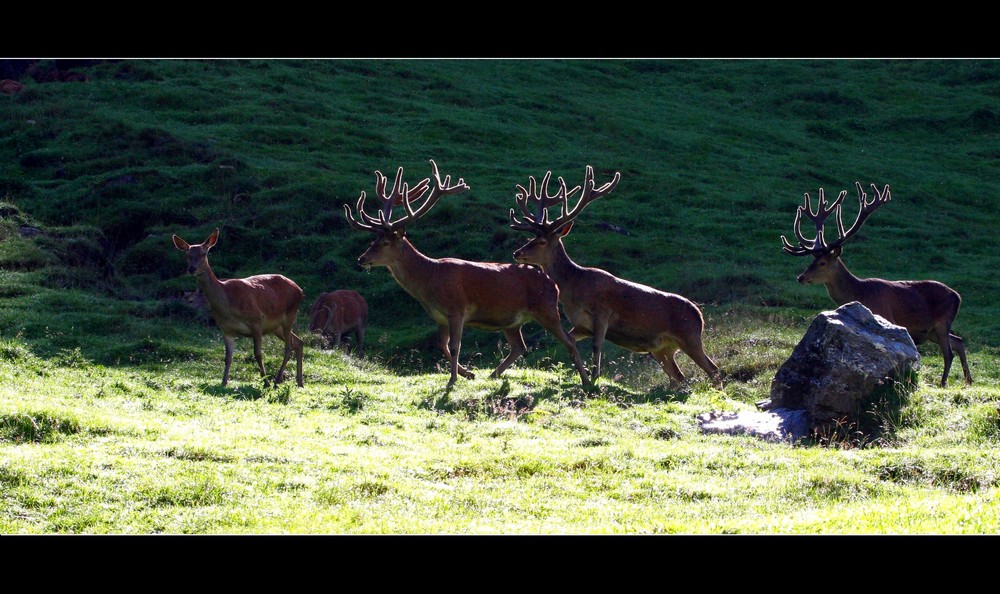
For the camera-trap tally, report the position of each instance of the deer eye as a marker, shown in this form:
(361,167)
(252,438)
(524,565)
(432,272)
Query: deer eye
(385,243)
(540,242)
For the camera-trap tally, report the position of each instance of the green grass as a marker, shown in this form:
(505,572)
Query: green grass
(112,416)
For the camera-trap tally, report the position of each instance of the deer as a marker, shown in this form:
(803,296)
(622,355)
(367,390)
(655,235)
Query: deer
(250,307)
(10,87)
(456,293)
(599,304)
(340,312)
(926,308)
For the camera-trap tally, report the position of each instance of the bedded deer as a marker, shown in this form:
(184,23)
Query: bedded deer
(926,308)
(253,306)
(600,305)
(337,313)
(458,293)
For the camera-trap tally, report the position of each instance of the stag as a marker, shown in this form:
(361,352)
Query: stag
(926,308)
(458,293)
(598,304)
(253,306)
(338,313)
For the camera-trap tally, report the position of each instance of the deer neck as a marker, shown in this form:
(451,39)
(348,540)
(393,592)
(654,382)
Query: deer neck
(560,267)
(211,286)
(842,285)
(411,269)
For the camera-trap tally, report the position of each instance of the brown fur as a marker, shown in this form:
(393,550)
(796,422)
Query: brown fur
(458,293)
(253,306)
(633,316)
(340,312)
(10,87)
(926,308)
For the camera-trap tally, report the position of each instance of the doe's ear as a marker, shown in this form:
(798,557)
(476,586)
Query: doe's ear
(181,244)
(210,242)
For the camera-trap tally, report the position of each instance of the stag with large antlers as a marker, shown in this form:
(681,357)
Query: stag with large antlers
(926,308)
(600,305)
(458,293)
(253,306)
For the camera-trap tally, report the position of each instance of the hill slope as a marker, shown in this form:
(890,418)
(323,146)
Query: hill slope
(714,154)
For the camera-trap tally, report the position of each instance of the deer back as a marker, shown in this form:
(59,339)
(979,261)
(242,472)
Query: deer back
(484,294)
(338,311)
(918,305)
(269,298)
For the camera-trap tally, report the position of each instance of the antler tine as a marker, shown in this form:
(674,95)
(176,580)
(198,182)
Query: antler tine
(539,217)
(562,197)
(440,189)
(802,249)
(521,197)
(589,194)
(818,244)
(865,208)
(794,250)
(540,222)
(385,212)
(367,225)
(525,225)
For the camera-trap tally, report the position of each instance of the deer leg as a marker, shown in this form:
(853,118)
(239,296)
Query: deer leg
(454,346)
(443,336)
(666,361)
(259,355)
(958,345)
(943,338)
(697,354)
(517,349)
(600,329)
(291,345)
(299,347)
(230,343)
(553,324)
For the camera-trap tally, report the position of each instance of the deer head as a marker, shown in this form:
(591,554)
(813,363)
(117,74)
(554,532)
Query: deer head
(826,255)
(197,255)
(389,233)
(547,233)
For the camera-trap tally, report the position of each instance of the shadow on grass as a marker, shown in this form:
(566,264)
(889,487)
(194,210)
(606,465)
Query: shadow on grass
(498,403)
(280,393)
(625,396)
(243,392)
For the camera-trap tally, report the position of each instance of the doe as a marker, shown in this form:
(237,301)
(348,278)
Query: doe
(251,306)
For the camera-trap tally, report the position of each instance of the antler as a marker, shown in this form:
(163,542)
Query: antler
(539,221)
(401,193)
(819,244)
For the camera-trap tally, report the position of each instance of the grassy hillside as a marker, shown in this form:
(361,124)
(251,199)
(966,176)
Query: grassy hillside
(101,162)
(715,156)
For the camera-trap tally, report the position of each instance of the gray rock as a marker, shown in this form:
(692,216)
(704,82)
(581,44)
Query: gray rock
(844,368)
